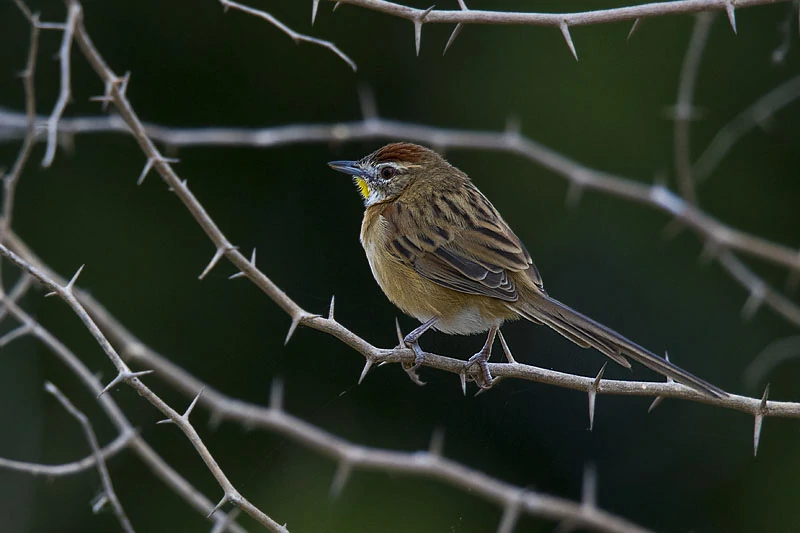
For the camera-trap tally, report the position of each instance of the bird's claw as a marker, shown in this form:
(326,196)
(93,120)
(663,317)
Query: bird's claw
(419,358)
(483,377)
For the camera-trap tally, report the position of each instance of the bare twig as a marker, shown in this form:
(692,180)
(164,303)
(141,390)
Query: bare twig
(775,354)
(10,180)
(684,109)
(295,36)
(757,114)
(64,94)
(121,442)
(108,487)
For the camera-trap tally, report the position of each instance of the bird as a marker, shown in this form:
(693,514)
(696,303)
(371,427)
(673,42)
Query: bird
(441,252)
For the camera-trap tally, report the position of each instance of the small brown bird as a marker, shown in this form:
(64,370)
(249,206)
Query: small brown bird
(443,254)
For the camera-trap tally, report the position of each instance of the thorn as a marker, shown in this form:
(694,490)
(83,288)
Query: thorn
(143,175)
(462,375)
(214,260)
(463,5)
(437,442)
(634,28)
(589,489)
(367,365)
(417,35)
(123,377)
(418,27)
(330,310)
(276,395)
(506,349)
(656,402)
(340,478)
(510,517)
(189,409)
(567,37)
(754,301)
(51,293)
(336,6)
(71,283)
(99,502)
(666,358)
(106,98)
(456,31)
(252,264)
(149,165)
(730,10)
(593,394)
(400,337)
(314,7)
(759,420)
(295,322)
(222,502)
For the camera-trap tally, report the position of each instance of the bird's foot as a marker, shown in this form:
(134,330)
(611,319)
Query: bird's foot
(411,341)
(483,377)
(419,355)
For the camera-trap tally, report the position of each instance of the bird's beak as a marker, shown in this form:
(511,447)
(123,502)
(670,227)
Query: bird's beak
(348,167)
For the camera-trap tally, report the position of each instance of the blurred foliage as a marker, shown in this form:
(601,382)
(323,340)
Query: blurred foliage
(684,467)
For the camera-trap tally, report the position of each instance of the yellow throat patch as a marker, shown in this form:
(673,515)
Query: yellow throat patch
(362,187)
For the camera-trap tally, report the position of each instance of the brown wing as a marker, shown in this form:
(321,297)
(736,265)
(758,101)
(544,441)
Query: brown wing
(462,245)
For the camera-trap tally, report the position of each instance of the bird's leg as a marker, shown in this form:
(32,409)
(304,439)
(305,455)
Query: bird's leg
(412,341)
(481,359)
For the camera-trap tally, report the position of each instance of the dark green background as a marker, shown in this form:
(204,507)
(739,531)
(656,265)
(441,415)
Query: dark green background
(684,467)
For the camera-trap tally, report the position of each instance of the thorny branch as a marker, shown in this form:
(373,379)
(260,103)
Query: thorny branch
(562,21)
(127,438)
(125,375)
(350,455)
(656,195)
(99,462)
(684,111)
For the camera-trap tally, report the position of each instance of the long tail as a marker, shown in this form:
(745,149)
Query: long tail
(585,332)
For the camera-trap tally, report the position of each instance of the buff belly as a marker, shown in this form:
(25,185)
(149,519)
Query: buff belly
(459,313)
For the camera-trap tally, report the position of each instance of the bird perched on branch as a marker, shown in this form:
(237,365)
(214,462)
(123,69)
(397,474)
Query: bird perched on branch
(442,253)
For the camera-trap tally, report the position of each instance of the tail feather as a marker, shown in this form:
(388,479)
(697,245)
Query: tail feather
(585,332)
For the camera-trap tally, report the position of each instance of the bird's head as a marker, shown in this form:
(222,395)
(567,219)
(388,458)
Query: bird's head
(385,173)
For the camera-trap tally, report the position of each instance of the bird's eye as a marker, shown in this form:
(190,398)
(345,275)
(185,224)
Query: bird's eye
(388,172)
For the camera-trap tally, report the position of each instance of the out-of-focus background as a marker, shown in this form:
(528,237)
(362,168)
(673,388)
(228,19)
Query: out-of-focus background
(683,467)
